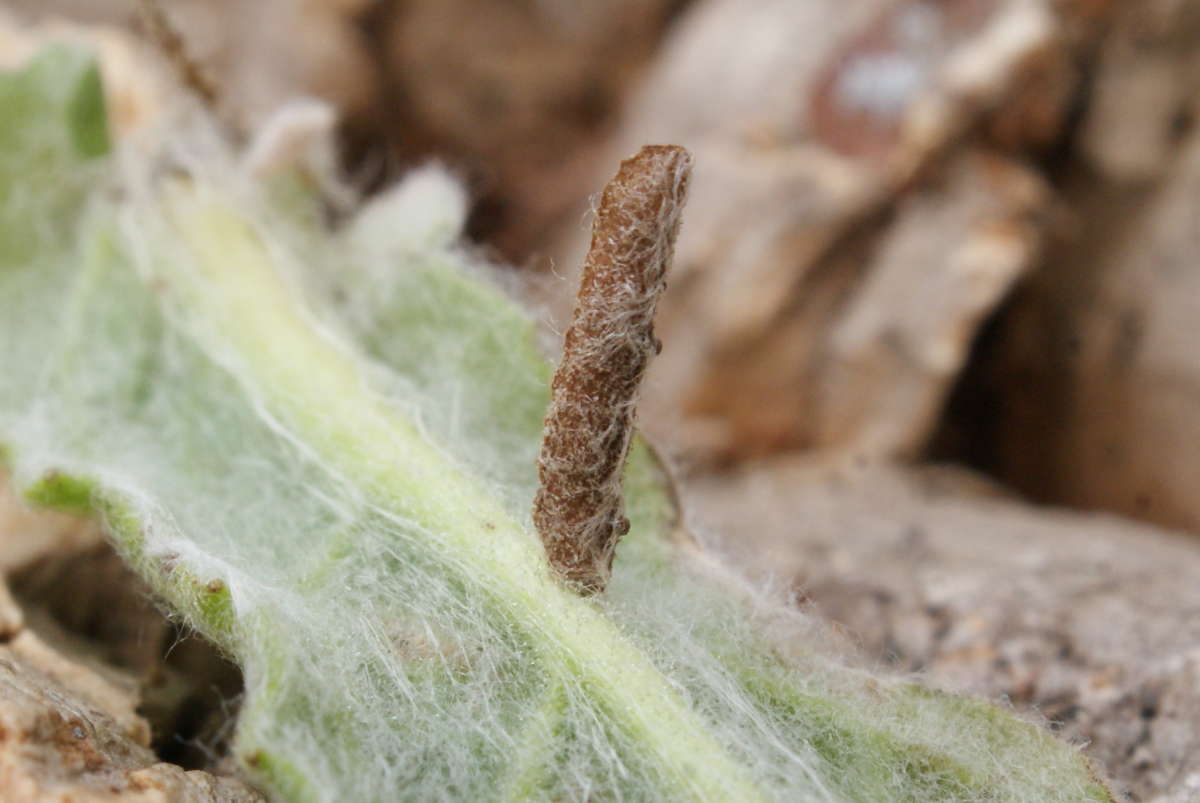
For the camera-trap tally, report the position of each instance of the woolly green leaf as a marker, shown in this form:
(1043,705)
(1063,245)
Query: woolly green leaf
(318,448)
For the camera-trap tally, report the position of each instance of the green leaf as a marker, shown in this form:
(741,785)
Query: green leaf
(86,117)
(318,449)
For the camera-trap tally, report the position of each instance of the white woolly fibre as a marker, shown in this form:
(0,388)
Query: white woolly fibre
(319,448)
(424,213)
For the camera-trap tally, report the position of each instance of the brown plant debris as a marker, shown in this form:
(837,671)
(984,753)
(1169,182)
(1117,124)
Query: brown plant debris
(174,49)
(578,510)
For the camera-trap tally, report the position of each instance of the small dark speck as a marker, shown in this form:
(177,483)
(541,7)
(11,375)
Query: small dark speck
(1064,717)
(1131,335)
(1181,124)
(913,537)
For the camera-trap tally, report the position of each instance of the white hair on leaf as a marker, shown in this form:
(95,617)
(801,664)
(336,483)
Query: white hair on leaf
(332,481)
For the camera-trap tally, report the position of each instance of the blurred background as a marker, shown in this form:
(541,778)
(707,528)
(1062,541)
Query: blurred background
(932,338)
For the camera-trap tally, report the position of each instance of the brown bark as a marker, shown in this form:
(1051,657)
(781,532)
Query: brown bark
(856,211)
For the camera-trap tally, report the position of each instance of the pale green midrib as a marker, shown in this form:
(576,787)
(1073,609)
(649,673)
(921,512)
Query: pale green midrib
(534,757)
(317,392)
